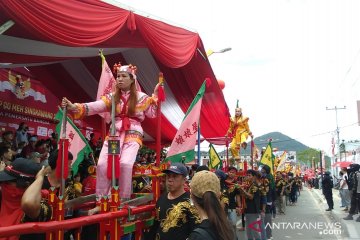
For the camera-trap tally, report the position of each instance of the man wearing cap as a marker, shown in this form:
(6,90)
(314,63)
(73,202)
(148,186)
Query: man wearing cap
(34,204)
(175,217)
(14,180)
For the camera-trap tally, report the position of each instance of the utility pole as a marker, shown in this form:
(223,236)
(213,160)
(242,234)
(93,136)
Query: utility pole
(337,132)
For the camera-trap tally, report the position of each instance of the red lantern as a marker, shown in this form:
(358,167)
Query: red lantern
(221,84)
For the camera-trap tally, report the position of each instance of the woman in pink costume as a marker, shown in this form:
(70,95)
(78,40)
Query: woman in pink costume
(131,108)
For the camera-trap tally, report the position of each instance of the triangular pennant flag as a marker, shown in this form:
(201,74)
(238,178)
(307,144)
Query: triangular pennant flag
(185,139)
(78,144)
(267,158)
(106,84)
(214,159)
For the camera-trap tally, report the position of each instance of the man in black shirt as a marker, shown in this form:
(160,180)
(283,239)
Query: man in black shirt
(252,202)
(234,197)
(175,217)
(327,186)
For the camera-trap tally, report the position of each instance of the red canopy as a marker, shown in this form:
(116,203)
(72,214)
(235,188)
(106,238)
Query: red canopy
(58,41)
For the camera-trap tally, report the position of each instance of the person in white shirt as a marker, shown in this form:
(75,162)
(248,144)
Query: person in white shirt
(344,190)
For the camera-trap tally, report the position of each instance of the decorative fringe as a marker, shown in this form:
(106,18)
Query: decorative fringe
(110,166)
(161,90)
(63,147)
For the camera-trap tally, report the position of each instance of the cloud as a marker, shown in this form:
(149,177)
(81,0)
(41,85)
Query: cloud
(289,60)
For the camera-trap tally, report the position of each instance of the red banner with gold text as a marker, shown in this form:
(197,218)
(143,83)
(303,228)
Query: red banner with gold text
(25,99)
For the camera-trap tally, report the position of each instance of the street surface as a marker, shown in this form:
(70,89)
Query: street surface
(309,220)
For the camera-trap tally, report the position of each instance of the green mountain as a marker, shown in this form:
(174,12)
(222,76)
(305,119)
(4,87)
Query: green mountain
(279,141)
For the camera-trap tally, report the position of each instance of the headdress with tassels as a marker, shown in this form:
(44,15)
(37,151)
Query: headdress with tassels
(127,68)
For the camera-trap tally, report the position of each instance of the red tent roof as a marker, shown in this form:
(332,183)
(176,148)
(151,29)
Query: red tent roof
(58,41)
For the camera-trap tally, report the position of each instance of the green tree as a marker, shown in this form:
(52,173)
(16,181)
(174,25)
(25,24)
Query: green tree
(307,155)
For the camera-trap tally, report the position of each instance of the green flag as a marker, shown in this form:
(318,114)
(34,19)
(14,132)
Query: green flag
(78,145)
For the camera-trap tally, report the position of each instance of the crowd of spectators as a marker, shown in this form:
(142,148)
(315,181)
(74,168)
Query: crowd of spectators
(22,157)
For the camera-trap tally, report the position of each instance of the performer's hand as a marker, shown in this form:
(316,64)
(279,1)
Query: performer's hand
(66,103)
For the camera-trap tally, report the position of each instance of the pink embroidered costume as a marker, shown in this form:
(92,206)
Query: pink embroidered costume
(128,128)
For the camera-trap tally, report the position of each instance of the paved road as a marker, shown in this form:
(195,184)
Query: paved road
(309,220)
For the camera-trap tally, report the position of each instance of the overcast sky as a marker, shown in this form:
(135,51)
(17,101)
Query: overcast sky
(290,59)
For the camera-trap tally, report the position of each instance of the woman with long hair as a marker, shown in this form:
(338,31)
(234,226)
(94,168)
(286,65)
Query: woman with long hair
(131,107)
(205,193)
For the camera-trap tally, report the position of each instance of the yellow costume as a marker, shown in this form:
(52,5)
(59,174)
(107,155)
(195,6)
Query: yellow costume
(239,130)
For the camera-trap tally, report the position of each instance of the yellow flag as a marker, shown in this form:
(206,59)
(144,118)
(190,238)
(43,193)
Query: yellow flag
(214,161)
(267,157)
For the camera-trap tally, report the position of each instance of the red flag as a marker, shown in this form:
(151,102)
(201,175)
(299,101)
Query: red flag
(63,151)
(116,158)
(113,156)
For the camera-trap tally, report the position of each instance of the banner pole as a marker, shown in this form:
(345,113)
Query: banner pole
(63,136)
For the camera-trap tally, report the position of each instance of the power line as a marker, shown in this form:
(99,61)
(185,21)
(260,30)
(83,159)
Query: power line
(350,68)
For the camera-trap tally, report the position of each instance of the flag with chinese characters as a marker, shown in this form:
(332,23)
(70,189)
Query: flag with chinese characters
(281,166)
(267,158)
(78,145)
(214,159)
(183,144)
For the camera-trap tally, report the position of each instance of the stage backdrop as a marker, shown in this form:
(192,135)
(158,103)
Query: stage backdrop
(25,99)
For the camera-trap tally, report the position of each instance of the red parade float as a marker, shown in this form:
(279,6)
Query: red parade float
(62,54)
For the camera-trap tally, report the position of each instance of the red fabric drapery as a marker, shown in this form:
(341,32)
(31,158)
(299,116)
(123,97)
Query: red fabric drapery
(177,45)
(213,108)
(100,25)
(94,23)
(71,22)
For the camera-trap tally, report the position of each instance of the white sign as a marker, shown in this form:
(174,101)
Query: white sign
(42,131)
